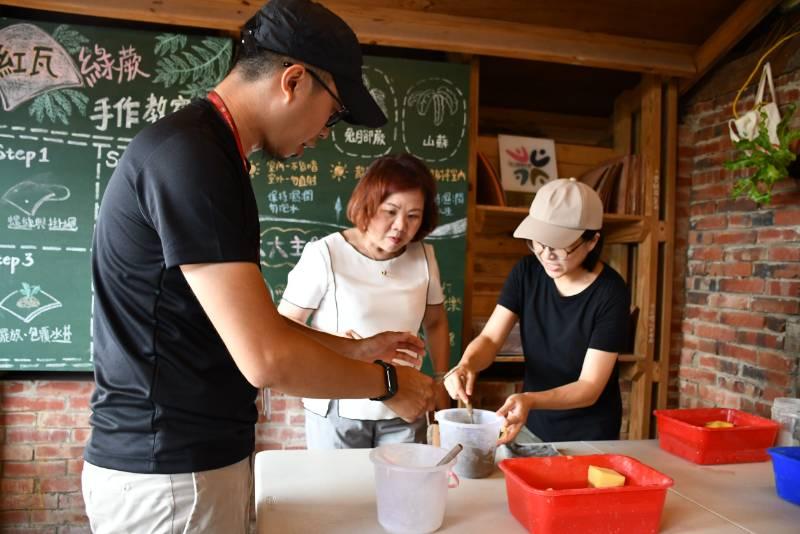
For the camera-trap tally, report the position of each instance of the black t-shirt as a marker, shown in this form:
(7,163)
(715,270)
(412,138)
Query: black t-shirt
(556,333)
(169,397)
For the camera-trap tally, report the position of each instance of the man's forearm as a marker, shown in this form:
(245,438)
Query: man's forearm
(342,345)
(302,366)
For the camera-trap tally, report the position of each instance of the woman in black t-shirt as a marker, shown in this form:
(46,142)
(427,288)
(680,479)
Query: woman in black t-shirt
(573,312)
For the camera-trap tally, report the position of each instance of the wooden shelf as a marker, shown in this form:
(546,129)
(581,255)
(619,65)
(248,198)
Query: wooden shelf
(644,123)
(618,228)
(509,358)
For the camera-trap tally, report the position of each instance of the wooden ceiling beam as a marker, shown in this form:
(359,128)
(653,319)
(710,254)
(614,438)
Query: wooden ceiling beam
(225,15)
(412,29)
(415,29)
(730,32)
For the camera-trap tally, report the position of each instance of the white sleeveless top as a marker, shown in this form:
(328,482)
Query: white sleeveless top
(350,291)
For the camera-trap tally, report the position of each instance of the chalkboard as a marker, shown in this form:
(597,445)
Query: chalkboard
(74,96)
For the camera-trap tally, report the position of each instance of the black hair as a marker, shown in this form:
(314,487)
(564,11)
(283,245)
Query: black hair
(591,259)
(253,62)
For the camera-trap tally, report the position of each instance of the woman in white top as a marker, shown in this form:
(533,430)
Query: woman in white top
(376,276)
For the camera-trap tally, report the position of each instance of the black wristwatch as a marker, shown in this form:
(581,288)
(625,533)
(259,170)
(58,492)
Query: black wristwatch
(390,377)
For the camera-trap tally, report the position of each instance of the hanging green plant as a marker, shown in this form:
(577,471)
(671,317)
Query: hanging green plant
(770,163)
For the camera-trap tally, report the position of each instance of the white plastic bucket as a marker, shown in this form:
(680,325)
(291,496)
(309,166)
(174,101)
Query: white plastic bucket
(786,412)
(479,439)
(411,489)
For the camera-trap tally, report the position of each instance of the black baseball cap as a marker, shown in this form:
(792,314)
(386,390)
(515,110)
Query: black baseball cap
(309,32)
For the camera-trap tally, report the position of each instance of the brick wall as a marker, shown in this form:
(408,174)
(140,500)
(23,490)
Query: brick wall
(736,324)
(43,428)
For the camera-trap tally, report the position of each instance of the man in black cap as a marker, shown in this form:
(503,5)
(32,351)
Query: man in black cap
(185,329)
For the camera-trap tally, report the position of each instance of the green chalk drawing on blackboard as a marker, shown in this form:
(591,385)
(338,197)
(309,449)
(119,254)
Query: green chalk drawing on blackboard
(71,40)
(57,105)
(202,66)
(169,43)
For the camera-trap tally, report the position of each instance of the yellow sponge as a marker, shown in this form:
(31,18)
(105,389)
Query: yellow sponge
(719,424)
(603,477)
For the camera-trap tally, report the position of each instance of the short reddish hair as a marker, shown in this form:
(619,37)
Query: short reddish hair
(388,175)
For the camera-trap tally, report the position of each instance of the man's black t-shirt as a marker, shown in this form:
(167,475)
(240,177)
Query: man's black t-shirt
(169,397)
(556,332)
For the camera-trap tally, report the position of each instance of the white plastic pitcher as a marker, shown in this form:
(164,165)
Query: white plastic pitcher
(411,489)
(479,439)
(786,412)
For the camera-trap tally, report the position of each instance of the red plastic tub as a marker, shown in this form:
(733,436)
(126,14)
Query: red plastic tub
(682,432)
(553,495)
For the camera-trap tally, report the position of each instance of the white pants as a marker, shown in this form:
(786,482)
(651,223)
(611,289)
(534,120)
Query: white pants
(208,502)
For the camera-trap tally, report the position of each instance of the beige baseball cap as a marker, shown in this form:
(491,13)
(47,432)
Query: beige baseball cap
(560,212)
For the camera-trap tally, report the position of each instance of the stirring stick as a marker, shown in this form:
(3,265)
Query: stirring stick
(469,408)
(452,453)
(432,433)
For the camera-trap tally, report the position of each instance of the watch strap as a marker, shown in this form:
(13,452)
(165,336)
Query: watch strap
(390,380)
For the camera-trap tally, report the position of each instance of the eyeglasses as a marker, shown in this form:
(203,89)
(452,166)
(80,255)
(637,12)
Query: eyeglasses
(337,115)
(560,253)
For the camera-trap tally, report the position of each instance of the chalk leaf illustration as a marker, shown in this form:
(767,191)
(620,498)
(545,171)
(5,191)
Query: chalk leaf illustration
(442,99)
(377,95)
(57,105)
(204,66)
(28,300)
(71,40)
(169,43)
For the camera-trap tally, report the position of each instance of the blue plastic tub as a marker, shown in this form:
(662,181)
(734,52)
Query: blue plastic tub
(786,464)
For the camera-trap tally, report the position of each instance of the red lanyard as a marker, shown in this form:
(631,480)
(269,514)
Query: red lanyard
(223,110)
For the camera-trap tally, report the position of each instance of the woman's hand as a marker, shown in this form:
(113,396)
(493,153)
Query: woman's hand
(389,346)
(515,413)
(459,382)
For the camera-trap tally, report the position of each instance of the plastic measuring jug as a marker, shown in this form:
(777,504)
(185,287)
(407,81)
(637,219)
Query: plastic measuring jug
(411,489)
(479,439)
(786,411)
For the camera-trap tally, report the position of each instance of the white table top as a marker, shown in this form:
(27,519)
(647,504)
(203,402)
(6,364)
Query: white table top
(334,491)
